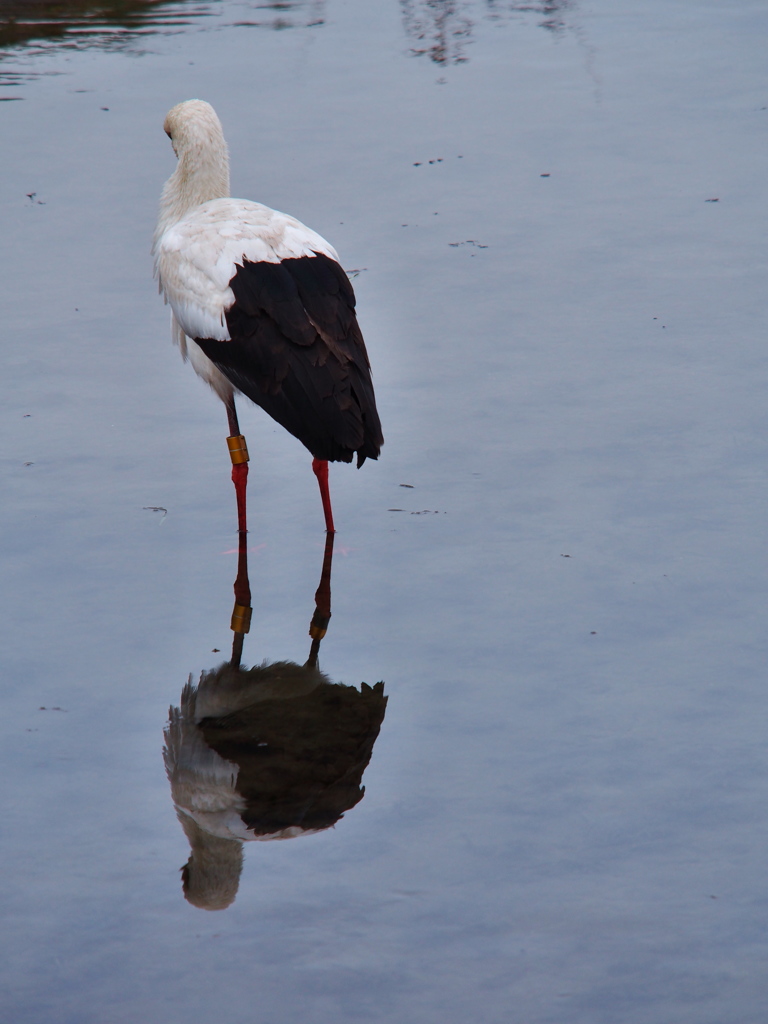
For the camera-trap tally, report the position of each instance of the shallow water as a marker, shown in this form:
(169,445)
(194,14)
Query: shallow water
(555,215)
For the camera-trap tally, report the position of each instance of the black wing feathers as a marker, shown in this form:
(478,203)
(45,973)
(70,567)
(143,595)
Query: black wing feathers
(297,351)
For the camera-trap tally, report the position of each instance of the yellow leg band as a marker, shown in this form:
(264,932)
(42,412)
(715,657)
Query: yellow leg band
(241,619)
(318,627)
(238,449)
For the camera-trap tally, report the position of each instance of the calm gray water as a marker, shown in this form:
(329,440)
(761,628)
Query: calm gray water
(557,212)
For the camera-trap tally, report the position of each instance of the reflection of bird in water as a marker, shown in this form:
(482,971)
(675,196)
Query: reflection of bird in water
(553,12)
(441,29)
(272,752)
(261,306)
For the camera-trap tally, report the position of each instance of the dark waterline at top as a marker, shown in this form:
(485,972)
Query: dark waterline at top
(85,23)
(41,27)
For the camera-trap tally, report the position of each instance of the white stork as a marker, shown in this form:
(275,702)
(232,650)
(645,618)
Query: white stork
(261,306)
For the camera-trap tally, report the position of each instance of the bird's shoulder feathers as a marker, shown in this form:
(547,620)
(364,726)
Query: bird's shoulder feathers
(197,257)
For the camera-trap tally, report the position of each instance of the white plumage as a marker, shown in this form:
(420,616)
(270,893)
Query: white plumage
(198,257)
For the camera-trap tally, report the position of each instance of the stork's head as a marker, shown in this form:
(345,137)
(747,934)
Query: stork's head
(194,127)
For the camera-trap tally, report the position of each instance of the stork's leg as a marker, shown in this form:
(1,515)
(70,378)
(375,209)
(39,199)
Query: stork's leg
(241,613)
(322,616)
(238,451)
(320,469)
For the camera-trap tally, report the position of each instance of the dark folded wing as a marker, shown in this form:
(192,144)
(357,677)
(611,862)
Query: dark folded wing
(297,351)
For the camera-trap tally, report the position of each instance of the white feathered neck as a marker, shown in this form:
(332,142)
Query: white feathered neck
(203,169)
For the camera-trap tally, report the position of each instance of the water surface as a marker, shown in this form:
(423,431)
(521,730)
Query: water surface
(554,218)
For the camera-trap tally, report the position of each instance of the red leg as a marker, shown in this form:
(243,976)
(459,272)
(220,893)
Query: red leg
(241,613)
(319,624)
(238,452)
(320,469)
(240,480)
(323,592)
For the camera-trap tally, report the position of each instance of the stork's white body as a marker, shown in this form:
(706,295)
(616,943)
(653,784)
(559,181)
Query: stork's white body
(261,304)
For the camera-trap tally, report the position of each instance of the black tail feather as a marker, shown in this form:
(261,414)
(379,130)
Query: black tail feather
(297,351)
